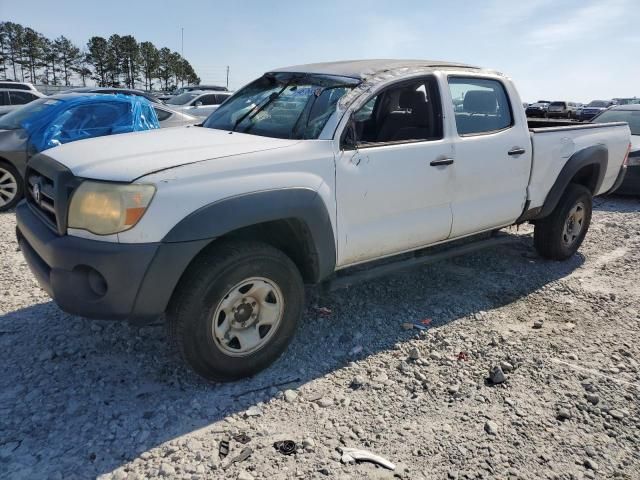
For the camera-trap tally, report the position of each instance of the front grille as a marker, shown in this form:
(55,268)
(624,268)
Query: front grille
(49,188)
(41,196)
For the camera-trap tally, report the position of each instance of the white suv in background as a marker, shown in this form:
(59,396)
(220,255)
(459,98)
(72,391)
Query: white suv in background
(18,85)
(10,98)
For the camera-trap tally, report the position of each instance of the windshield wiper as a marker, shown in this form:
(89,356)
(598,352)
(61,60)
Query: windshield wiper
(258,108)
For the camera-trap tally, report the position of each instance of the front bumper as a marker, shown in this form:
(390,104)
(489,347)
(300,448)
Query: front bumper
(103,280)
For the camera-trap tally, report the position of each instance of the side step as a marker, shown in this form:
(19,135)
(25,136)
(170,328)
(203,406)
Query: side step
(418,258)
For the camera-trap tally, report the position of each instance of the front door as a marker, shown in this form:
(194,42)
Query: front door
(392,189)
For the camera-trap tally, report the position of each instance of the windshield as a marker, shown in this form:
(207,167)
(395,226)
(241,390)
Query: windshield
(282,105)
(557,104)
(182,99)
(598,103)
(632,117)
(13,120)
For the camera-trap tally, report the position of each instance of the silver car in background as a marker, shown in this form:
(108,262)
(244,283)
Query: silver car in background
(198,103)
(172,118)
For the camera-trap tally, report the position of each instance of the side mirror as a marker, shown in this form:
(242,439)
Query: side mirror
(198,104)
(349,137)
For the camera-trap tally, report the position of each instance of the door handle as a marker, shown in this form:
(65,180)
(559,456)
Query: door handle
(438,162)
(516,151)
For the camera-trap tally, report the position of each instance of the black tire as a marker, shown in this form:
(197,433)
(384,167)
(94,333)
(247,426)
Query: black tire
(211,279)
(9,197)
(549,237)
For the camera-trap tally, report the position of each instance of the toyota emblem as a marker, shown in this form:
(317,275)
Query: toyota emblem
(36,192)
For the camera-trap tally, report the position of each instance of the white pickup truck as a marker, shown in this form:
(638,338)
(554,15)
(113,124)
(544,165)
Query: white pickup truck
(301,175)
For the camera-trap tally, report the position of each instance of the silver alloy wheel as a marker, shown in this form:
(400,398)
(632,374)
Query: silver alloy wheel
(8,187)
(248,316)
(573,225)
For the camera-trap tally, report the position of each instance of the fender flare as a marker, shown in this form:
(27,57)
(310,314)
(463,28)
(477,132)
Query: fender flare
(227,215)
(597,155)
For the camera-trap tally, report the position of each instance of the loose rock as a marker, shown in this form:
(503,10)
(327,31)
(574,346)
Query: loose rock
(496,375)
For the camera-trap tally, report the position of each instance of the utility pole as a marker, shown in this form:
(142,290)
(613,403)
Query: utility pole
(227,77)
(182,55)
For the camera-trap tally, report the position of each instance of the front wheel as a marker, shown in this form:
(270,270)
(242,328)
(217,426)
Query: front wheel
(11,188)
(559,235)
(236,309)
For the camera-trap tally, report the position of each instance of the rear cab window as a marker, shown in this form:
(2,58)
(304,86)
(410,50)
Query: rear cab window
(481,105)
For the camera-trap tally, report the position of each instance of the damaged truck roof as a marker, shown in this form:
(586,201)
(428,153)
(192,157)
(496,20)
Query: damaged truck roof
(362,69)
(374,73)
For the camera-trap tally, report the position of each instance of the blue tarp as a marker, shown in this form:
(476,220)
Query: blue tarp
(87,116)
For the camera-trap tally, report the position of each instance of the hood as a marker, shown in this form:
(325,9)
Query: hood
(128,156)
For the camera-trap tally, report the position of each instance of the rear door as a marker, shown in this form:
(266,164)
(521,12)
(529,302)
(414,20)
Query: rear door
(392,188)
(492,154)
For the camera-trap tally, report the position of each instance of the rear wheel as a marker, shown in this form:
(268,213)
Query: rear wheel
(11,188)
(236,309)
(559,235)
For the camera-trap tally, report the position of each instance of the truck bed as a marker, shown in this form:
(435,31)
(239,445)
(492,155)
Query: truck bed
(554,145)
(549,122)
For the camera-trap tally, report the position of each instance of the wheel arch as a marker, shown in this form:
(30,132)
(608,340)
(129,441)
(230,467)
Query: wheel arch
(585,167)
(294,220)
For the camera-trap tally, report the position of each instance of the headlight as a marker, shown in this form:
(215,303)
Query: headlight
(106,208)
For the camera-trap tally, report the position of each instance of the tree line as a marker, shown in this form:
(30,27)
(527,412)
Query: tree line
(117,61)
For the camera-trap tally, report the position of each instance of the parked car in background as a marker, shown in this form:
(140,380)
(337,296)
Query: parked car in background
(538,109)
(626,101)
(197,103)
(629,113)
(18,85)
(59,119)
(304,173)
(112,91)
(593,108)
(172,118)
(191,88)
(10,99)
(562,110)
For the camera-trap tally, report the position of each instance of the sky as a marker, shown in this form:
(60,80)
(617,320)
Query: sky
(575,50)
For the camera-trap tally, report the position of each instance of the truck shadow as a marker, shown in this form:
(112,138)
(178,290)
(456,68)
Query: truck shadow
(617,203)
(84,397)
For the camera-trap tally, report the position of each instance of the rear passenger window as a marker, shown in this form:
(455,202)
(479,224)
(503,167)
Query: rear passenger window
(162,114)
(480,105)
(20,98)
(209,100)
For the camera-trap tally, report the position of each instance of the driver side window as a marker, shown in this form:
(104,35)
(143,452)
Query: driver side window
(407,112)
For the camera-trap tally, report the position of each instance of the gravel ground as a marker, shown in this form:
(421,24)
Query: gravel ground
(80,399)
